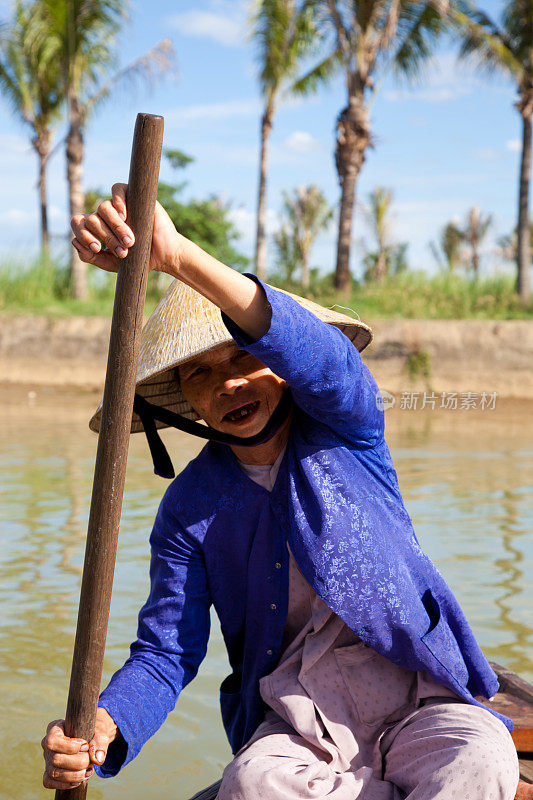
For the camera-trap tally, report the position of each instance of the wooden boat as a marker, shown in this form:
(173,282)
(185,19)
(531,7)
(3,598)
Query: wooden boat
(515,700)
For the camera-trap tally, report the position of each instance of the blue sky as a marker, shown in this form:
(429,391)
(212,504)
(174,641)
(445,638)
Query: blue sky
(447,144)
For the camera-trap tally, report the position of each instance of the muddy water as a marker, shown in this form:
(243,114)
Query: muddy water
(467,480)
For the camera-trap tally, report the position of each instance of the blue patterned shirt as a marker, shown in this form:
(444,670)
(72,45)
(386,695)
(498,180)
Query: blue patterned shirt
(221,539)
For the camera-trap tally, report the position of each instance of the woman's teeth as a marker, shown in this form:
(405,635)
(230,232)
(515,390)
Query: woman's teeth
(244,411)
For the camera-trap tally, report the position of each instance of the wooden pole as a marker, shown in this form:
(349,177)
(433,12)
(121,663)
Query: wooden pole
(113,440)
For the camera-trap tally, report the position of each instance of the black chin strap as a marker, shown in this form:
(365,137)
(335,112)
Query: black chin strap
(149,413)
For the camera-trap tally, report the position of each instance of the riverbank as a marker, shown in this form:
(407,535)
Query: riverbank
(406,357)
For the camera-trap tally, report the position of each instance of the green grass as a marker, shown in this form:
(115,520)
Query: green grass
(418,365)
(42,289)
(414,295)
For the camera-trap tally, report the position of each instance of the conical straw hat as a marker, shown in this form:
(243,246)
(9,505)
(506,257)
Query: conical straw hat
(183,325)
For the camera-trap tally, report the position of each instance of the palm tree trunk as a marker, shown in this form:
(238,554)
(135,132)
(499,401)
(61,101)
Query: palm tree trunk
(78,268)
(305,266)
(475,260)
(343,278)
(260,242)
(353,137)
(523,282)
(41,145)
(45,235)
(381,266)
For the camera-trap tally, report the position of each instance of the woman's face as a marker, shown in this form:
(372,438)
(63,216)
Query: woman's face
(231,390)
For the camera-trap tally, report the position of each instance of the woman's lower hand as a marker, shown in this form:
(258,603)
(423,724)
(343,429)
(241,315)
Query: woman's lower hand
(69,761)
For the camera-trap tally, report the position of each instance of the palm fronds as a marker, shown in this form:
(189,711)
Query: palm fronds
(320,74)
(488,44)
(419,27)
(282,31)
(144,70)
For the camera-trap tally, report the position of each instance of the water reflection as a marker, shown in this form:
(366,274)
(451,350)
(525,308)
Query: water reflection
(467,480)
(513,576)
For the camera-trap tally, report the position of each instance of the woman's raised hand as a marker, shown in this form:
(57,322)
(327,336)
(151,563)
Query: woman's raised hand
(103,237)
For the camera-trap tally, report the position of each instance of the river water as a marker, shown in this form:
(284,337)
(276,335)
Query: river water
(467,481)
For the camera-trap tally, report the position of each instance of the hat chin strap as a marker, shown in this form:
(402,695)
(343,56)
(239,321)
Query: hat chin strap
(149,413)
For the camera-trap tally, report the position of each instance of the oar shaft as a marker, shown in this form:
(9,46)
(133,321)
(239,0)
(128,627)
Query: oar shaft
(113,440)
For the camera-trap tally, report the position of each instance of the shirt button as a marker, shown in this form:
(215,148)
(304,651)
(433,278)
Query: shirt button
(278,565)
(273,606)
(269,652)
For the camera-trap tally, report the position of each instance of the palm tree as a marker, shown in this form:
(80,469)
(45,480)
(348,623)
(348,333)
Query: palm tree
(365,40)
(379,206)
(283,32)
(473,234)
(83,32)
(30,79)
(307,213)
(287,254)
(388,258)
(508,47)
(508,245)
(448,253)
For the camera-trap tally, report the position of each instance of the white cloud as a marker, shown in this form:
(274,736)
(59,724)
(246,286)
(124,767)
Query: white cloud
(514,145)
(246,156)
(56,214)
(223,22)
(213,111)
(16,217)
(301,142)
(246,223)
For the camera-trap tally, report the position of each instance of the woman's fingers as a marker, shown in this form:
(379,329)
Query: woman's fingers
(115,223)
(104,259)
(56,741)
(70,762)
(59,779)
(93,229)
(50,783)
(67,762)
(118,198)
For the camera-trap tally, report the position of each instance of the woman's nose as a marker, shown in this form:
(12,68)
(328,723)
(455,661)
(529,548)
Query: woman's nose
(231,384)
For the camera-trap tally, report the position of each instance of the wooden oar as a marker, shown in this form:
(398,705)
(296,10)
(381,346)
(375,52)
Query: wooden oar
(113,440)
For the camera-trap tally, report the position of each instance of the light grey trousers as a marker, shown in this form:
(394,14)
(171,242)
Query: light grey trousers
(442,751)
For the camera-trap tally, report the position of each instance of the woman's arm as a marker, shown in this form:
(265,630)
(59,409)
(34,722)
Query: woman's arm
(240,298)
(324,370)
(171,643)
(318,362)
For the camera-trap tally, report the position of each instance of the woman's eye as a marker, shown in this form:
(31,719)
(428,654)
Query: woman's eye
(197,372)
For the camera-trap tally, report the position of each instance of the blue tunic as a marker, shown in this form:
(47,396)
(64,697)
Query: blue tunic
(219,538)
